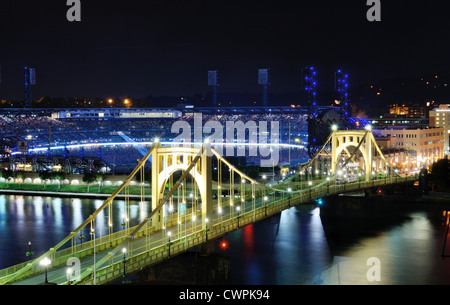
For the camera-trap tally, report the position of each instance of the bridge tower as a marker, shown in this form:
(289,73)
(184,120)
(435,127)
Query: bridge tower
(362,140)
(166,161)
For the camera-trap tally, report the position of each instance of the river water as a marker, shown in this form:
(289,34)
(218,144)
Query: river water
(298,246)
(302,247)
(44,221)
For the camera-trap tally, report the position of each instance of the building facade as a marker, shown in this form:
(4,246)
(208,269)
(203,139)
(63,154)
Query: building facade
(440,117)
(426,145)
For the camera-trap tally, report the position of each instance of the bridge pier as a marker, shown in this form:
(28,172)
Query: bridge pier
(188,268)
(373,202)
(208,248)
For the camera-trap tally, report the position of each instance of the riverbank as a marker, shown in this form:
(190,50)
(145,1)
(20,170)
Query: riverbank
(383,205)
(70,191)
(68,194)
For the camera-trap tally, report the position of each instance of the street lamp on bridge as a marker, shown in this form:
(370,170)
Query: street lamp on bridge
(45,262)
(169,234)
(124,250)
(95,271)
(29,253)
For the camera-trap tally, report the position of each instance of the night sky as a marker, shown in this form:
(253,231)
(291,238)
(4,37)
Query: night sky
(165,47)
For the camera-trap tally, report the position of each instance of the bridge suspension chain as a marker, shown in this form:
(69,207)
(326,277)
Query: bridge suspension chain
(350,156)
(246,194)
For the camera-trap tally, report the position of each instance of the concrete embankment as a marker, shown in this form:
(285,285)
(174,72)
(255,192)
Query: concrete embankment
(68,194)
(382,205)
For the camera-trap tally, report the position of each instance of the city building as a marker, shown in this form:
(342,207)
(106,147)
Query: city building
(440,117)
(120,113)
(398,122)
(410,110)
(425,145)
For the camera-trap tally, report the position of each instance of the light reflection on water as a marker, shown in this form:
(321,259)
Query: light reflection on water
(300,248)
(47,220)
(297,246)
(281,247)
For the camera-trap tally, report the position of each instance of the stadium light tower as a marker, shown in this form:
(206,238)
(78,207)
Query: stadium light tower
(263,79)
(30,80)
(213,82)
(341,86)
(310,85)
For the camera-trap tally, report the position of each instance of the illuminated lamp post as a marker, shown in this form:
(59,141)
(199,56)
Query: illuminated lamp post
(238,208)
(124,250)
(265,205)
(45,262)
(29,253)
(95,271)
(206,229)
(169,234)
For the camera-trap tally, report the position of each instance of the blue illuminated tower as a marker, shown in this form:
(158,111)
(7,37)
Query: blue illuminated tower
(263,79)
(214,83)
(30,80)
(341,87)
(310,87)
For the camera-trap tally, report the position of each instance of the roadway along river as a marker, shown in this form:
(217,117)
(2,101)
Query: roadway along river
(296,247)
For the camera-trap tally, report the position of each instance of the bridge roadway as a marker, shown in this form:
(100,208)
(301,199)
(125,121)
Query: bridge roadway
(149,249)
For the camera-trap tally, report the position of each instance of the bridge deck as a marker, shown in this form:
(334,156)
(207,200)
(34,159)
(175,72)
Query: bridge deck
(150,247)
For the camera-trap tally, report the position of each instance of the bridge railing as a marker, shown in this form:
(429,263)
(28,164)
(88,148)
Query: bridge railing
(150,256)
(103,243)
(146,257)
(59,258)
(270,208)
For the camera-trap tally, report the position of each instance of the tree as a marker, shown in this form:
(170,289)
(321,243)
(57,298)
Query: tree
(59,176)
(21,176)
(440,173)
(44,176)
(8,174)
(88,178)
(100,177)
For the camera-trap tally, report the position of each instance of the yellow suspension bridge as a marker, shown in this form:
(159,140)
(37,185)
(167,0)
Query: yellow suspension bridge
(195,210)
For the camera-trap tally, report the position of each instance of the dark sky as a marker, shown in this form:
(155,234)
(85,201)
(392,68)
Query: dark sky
(166,47)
